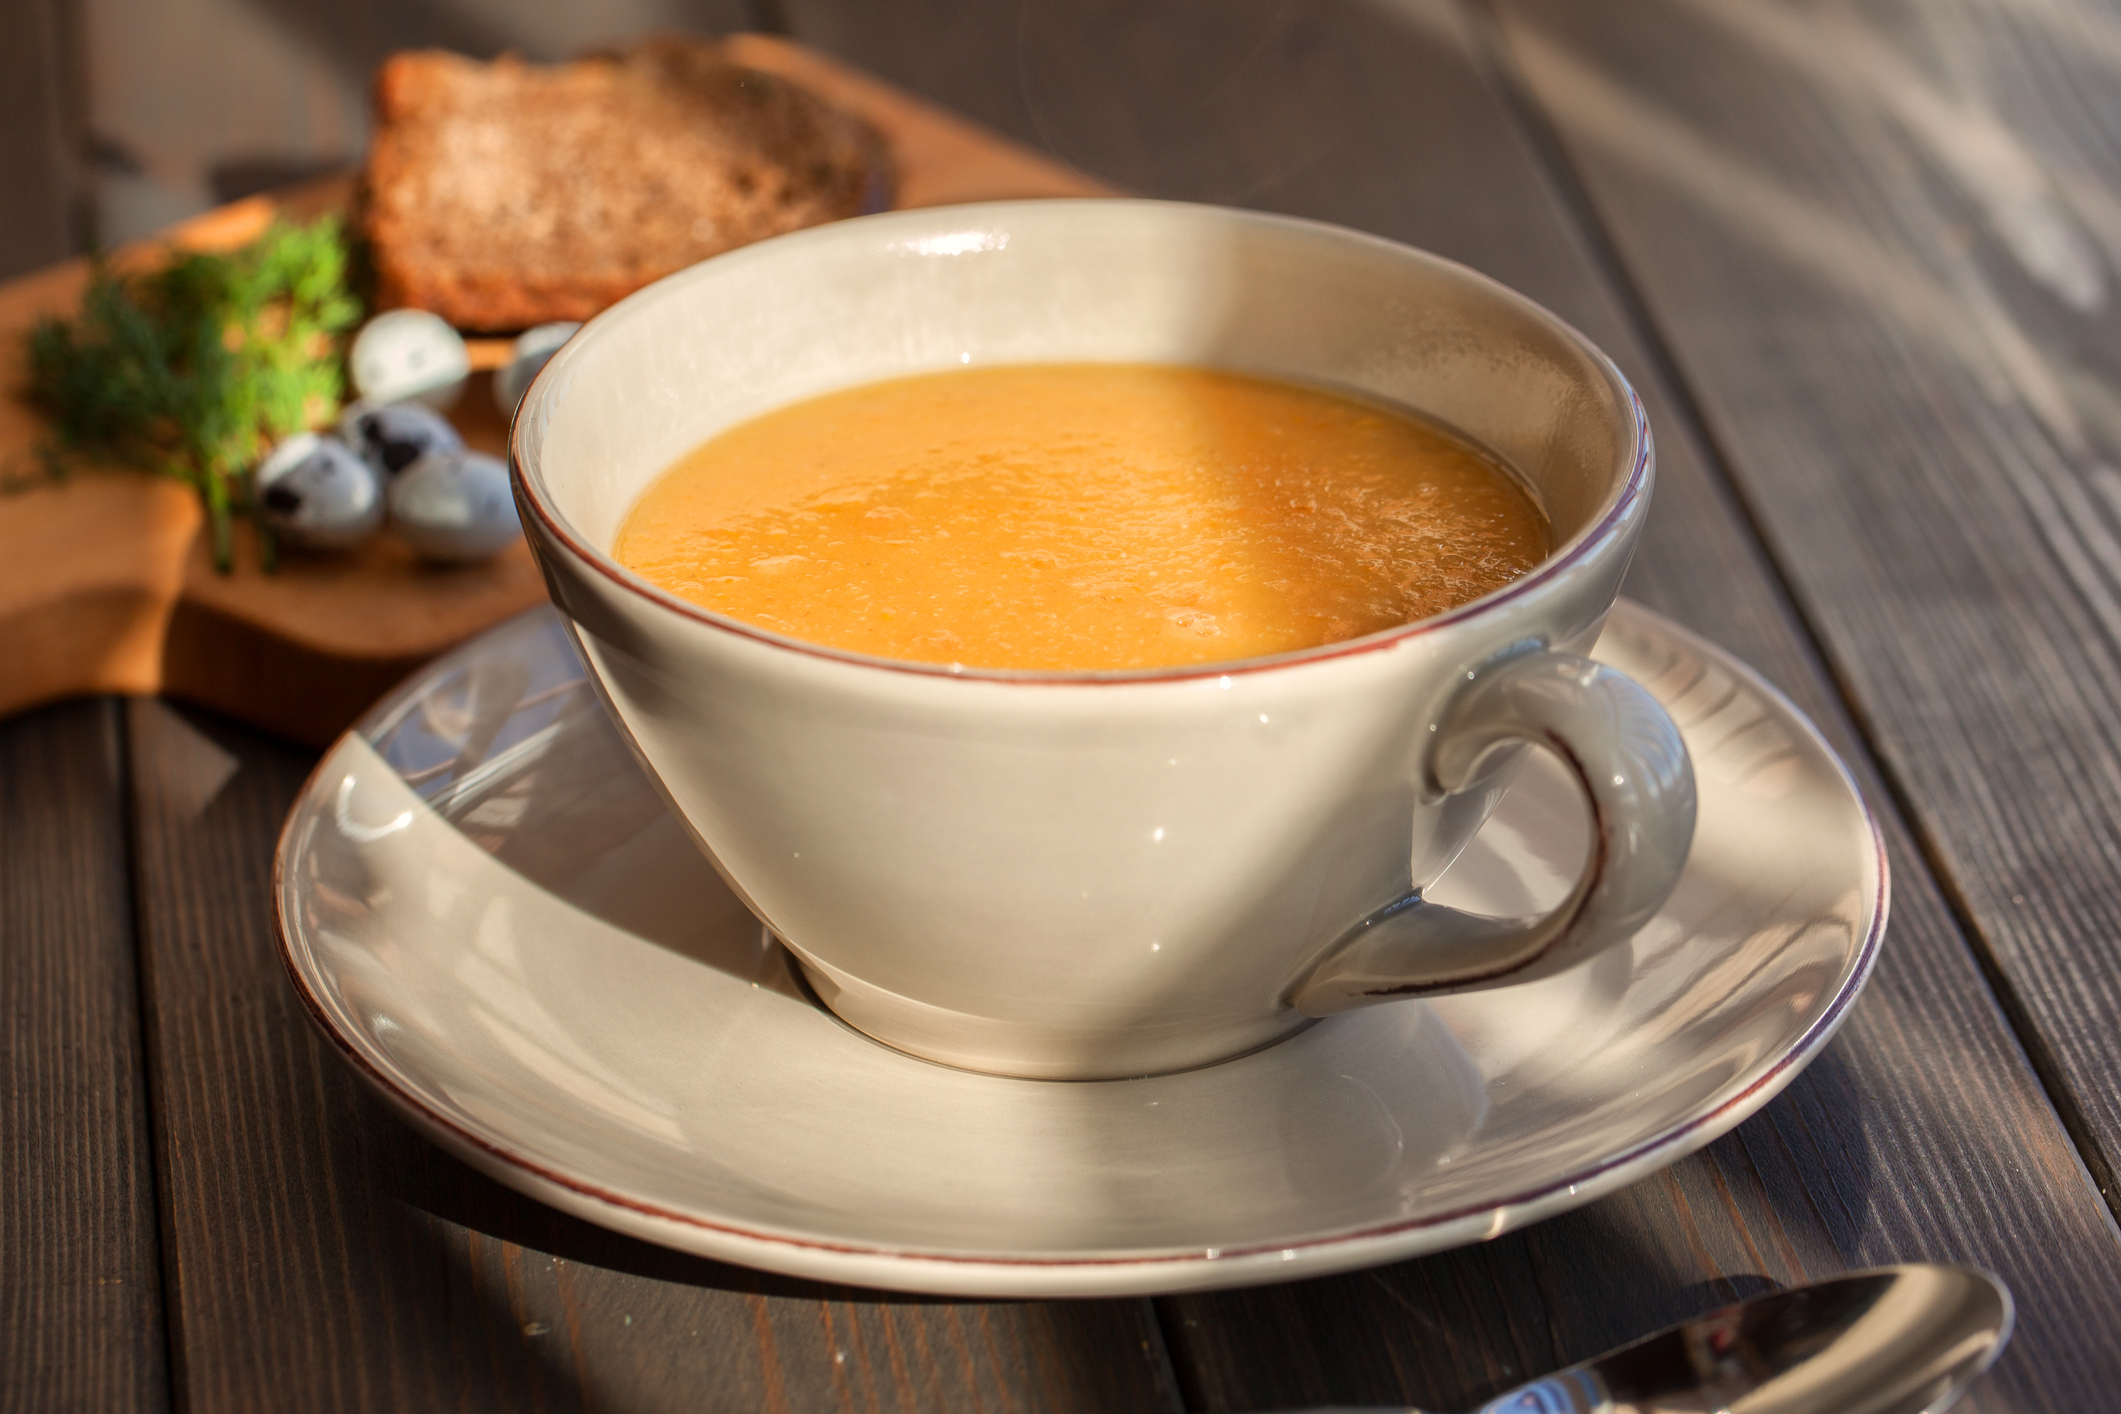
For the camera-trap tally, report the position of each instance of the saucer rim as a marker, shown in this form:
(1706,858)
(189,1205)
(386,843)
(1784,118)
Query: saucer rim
(1109,1274)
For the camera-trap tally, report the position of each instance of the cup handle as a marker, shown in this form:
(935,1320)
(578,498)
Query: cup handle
(1624,749)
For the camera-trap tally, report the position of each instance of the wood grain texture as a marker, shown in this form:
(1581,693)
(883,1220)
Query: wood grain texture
(1921,1133)
(80,1282)
(323,1257)
(1882,240)
(40,138)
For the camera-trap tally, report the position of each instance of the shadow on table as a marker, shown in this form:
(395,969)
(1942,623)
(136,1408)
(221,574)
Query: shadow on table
(1446,1331)
(543,1310)
(459,1195)
(1453,1330)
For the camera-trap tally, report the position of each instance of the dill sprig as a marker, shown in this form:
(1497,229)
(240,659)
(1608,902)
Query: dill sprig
(195,368)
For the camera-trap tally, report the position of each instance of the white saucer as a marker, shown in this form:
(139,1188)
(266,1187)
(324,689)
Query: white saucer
(487,907)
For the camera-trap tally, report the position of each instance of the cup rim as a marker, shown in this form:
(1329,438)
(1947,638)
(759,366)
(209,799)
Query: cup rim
(1620,501)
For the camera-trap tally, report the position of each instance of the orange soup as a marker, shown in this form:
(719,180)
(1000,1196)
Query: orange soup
(1082,517)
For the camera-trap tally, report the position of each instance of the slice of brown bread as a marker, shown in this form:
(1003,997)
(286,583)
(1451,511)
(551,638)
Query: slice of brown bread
(508,194)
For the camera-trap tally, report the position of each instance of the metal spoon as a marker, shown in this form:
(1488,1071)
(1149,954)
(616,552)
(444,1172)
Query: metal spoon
(1898,1340)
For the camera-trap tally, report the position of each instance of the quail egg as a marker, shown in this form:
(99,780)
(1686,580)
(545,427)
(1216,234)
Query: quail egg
(454,507)
(408,353)
(393,436)
(314,492)
(533,349)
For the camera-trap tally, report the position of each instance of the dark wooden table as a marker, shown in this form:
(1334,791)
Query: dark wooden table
(1862,257)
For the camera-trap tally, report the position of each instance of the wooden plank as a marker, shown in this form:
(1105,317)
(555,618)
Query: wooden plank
(1922,1133)
(40,138)
(1883,243)
(323,1257)
(80,1281)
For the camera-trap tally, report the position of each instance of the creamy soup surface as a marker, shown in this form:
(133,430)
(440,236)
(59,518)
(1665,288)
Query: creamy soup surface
(1082,517)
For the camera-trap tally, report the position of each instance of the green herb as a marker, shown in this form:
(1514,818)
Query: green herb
(194,369)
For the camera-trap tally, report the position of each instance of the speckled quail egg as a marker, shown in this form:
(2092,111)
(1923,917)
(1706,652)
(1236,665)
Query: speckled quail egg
(454,507)
(408,353)
(532,351)
(314,492)
(393,436)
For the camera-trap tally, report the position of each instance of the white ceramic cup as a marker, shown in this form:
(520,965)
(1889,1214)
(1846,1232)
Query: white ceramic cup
(1082,875)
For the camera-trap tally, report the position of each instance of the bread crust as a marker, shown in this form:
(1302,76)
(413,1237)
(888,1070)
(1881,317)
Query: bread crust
(506,194)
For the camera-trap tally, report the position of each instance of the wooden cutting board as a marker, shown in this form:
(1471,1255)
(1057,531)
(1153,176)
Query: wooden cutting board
(106,584)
